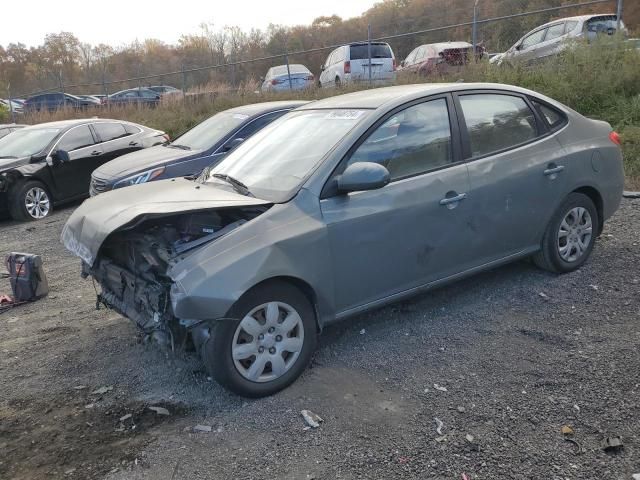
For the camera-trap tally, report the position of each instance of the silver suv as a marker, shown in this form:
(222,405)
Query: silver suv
(551,38)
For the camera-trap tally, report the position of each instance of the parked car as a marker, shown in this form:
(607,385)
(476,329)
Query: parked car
(139,96)
(51,163)
(8,128)
(344,205)
(14,105)
(350,63)
(92,98)
(277,78)
(553,37)
(54,101)
(439,58)
(165,90)
(204,145)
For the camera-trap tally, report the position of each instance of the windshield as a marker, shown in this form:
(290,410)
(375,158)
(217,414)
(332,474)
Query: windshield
(206,134)
(26,142)
(274,163)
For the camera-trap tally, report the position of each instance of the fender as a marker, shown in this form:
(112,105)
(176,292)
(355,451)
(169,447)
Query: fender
(36,171)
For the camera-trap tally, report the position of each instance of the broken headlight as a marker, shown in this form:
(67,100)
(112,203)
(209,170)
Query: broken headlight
(139,178)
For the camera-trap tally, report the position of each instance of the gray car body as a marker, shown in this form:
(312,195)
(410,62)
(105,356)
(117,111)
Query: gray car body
(357,251)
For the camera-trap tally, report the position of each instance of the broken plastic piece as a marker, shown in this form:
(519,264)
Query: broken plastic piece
(312,419)
(612,444)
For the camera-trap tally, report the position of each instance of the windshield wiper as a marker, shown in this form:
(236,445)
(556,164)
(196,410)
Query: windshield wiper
(9,156)
(181,147)
(235,183)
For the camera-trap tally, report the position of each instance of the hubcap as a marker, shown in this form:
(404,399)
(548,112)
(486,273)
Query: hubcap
(267,342)
(37,203)
(575,234)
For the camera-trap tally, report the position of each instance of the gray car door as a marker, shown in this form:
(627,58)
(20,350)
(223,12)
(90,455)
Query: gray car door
(528,48)
(516,170)
(411,231)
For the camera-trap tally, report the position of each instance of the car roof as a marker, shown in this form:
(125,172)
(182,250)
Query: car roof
(74,122)
(265,107)
(12,125)
(444,45)
(577,18)
(397,95)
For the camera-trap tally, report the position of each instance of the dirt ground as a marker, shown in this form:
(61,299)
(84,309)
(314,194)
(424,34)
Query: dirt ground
(504,360)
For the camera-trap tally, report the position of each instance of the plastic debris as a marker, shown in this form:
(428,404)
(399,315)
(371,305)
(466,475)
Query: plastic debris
(440,388)
(202,428)
(594,287)
(543,295)
(102,390)
(312,419)
(363,331)
(612,444)
(469,438)
(160,410)
(79,387)
(126,417)
(439,425)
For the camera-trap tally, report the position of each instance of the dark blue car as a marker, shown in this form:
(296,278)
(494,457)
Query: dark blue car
(204,145)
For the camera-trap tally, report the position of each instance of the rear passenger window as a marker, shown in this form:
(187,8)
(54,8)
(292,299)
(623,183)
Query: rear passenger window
(551,115)
(76,138)
(131,129)
(497,122)
(555,31)
(411,142)
(110,131)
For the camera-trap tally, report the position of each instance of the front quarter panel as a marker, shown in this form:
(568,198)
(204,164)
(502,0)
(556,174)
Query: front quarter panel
(289,240)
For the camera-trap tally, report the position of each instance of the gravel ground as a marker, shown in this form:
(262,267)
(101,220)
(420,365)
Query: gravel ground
(504,359)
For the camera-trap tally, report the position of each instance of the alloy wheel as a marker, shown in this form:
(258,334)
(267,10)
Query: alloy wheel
(37,203)
(575,234)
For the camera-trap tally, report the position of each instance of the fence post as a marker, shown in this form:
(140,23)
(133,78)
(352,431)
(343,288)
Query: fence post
(286,59)
(184,83)
(369,51)
(474,34)
(619,16)
(13,114)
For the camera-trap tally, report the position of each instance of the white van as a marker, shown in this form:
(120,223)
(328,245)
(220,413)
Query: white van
(350,63)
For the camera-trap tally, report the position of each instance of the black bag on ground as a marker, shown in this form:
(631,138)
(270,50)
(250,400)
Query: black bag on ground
(27,277)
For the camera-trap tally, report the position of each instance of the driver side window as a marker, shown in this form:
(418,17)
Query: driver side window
(411,142)
(76,138)
(533,39)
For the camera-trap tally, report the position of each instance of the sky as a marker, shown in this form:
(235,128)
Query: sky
(117,22)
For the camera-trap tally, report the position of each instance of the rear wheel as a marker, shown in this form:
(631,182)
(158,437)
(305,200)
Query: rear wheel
(269,347)
(338,82)
(30,200)
(570,235)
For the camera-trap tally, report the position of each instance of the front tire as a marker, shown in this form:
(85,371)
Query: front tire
(30,201)
(570,235)
(269,347)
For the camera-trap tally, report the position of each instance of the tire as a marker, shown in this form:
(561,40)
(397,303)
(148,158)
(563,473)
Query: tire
(30,190)
(567,245)
(264,344)
(338,82)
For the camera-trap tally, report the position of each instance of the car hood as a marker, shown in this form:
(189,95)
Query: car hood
(99,216)
(8,163)
(143,160)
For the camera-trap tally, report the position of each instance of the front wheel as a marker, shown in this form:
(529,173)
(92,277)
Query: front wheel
(30,200)
(570,235)
(268,347)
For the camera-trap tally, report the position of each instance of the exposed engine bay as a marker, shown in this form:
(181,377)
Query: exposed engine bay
(132,265)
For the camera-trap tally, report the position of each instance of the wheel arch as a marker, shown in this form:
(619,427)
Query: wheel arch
(306,289)
(596,198)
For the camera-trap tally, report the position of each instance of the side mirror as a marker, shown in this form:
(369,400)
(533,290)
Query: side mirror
(232,144)
(363,176)
(519,47)
(60,156)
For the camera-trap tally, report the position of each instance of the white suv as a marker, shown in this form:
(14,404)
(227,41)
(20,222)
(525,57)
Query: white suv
(350,63)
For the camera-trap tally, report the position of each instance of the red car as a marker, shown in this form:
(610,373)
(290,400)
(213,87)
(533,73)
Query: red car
(439,58)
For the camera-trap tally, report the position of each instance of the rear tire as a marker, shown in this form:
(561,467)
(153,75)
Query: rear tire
(338,82)
(269,347)
(30,200)
(570,235)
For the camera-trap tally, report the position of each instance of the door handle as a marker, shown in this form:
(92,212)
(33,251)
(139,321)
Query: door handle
(133,144)
(96,153)
(450,200)
(554,170)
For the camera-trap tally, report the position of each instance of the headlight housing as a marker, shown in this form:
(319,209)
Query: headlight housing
(139,178)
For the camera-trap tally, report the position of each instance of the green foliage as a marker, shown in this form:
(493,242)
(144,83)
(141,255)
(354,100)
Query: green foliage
(5,115)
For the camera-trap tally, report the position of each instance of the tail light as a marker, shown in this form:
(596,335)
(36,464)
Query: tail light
(615,138)
(395,65)
(347,67)
(274,82)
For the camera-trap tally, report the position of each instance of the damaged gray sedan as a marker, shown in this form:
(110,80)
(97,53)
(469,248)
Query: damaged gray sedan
(342,206)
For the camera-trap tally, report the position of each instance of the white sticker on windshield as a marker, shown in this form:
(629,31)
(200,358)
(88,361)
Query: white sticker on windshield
(344,114)
(240,116)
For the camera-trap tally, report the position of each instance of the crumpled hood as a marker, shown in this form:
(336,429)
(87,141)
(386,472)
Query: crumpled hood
(142,160)
(8,163)
(99,216)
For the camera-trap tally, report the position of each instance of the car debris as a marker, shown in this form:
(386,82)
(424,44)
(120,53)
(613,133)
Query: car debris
(312,419)
(543,295)
(626,194)
(440,388)
(439,425)
(126,417)
(612,444)
(202,428)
